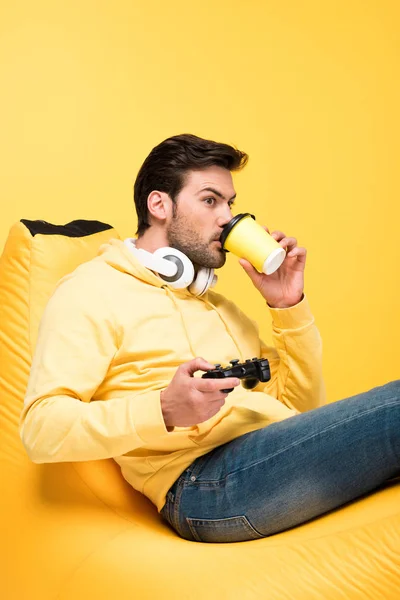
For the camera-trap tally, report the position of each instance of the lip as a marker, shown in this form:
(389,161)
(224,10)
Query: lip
(218,242)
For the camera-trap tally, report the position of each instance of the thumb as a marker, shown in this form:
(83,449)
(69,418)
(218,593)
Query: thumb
(254,275)
(197,364)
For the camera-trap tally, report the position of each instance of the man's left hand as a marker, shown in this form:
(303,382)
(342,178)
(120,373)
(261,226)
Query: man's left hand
(284,288)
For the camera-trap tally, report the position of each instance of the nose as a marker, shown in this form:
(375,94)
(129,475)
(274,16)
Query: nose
(225,216)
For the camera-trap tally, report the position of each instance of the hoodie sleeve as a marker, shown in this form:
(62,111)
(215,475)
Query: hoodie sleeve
(296,359)
(60,422)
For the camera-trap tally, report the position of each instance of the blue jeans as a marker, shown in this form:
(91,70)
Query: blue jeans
(282,475)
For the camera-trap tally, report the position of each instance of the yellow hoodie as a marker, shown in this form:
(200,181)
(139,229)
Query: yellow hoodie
(111,338)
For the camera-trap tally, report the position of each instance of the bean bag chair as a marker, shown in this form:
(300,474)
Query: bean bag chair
(79,531)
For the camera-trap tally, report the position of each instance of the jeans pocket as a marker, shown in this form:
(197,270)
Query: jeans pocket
(231,529)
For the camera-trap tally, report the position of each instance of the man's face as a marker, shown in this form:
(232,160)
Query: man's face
(203,208)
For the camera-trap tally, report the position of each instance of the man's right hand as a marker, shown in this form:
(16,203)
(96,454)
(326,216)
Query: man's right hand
(191,400)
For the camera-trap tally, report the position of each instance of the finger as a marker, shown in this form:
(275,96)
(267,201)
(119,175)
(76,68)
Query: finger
(207,386)
(213,386)
(299,253)
(266,228)
(278,235)
(289,243)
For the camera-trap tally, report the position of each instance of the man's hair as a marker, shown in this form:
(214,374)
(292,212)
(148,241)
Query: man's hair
(166,167)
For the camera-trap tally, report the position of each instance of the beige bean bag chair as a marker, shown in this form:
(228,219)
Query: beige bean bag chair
(79,531)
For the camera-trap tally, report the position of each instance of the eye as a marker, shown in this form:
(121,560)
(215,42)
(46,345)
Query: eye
(213,201)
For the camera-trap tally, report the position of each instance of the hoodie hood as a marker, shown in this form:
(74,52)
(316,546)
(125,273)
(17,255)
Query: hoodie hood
(118,256)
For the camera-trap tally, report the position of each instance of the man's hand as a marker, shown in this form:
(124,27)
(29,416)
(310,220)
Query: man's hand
(191,400)
(284,288)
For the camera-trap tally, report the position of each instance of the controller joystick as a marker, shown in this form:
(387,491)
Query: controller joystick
(251,372)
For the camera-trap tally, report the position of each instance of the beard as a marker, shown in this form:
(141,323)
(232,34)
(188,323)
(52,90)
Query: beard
(183,236)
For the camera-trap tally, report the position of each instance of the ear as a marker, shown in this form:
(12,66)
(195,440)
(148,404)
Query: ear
(159,205)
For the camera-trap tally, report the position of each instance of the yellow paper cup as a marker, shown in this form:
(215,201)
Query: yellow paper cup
(247,239)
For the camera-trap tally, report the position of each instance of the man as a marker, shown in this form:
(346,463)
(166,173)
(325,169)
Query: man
(120,353)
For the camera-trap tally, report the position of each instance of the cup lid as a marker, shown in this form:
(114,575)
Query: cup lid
(229,226)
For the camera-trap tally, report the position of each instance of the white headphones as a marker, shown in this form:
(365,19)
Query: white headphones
(174,267)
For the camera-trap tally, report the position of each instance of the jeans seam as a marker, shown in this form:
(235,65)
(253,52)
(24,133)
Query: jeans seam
(175,505)
(294,444)
(193,531)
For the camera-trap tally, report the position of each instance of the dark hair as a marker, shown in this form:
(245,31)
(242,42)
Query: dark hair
(166,167)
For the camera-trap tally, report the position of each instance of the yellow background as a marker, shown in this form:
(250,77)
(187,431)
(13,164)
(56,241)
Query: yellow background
(309,89)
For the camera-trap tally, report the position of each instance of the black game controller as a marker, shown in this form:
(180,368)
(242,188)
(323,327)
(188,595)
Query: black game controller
(251,372)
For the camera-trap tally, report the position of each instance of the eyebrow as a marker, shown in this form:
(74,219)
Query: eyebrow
(210,189)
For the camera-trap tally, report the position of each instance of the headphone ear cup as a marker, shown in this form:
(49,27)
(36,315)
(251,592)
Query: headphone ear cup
(175,268)
(184,267)
(205,279)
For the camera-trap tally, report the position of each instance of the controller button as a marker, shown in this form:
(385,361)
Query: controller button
(234,361)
